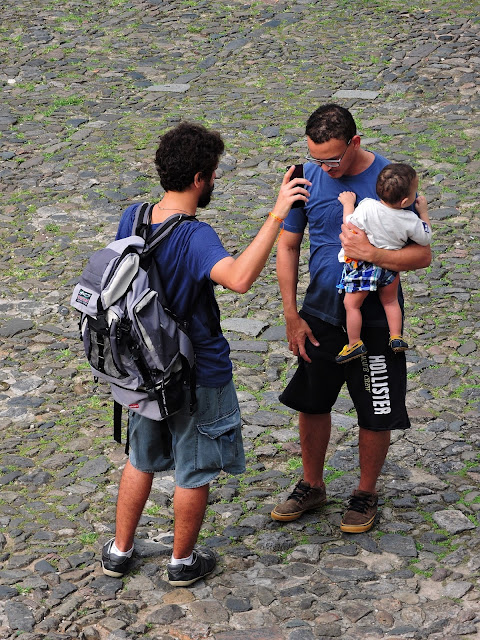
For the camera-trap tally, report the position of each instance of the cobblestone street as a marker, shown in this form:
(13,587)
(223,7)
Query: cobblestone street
(86,90)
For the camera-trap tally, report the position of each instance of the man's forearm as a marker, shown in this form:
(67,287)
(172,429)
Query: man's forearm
(357,246)
(287,274)
(411,257)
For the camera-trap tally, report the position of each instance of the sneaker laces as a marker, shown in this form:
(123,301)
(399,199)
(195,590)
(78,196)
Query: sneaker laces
(360,504)
(301,492)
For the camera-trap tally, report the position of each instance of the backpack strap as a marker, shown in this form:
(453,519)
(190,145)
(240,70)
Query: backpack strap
(142,226)
(117,422)
(164,230)
(142,221)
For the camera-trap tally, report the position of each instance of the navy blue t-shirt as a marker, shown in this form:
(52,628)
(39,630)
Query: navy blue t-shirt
(324,214)
(185,259)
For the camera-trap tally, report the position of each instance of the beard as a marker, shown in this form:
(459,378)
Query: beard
(205,196)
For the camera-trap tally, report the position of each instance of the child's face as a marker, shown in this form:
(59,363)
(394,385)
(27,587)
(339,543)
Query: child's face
(412,194)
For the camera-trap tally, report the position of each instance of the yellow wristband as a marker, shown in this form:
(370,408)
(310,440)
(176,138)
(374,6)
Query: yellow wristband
(272,215)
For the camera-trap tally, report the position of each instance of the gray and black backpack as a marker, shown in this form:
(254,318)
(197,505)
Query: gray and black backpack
(132,339)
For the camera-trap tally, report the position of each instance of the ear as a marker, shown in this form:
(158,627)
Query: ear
(356,141)
(403,203)
(199,180)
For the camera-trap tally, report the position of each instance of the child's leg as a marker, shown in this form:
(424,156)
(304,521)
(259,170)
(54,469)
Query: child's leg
(389,298)
(353,303)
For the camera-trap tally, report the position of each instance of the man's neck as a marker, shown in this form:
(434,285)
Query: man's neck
(363,160)
(174,202)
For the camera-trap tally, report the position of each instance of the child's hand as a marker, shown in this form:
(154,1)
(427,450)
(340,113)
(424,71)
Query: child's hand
(348,198)
(421,205)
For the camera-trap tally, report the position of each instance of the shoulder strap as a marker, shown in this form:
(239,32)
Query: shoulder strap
(142,225)
(142,220)
(164,230)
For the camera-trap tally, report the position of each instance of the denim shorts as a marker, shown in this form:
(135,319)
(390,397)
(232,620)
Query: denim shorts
(202,444)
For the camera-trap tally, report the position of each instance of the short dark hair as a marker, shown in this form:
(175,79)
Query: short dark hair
(183,152)
(330,121)
(394,182)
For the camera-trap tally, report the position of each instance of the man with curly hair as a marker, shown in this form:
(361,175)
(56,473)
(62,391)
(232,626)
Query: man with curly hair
(192,260)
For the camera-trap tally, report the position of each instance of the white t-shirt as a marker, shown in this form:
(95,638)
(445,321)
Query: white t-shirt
(388,228)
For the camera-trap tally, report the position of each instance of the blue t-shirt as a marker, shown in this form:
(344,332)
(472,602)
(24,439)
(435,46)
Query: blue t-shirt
(324,214)
(185,260)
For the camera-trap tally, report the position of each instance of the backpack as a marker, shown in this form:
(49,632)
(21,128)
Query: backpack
(131,338)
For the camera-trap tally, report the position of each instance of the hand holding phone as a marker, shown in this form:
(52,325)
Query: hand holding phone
(297,173)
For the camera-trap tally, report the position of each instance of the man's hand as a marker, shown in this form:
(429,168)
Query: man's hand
(355,243)
(297,332)
(290,191)
(356,246)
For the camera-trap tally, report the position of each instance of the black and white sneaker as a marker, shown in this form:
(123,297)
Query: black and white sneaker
(182,575)
(113,565)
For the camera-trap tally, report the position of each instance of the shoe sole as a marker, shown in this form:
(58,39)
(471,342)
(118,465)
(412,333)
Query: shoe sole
(112,574)
(399,349)
(186,583)
(344,361)
(288,517)
(357,528)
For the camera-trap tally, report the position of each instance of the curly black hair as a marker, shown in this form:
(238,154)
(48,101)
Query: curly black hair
(394,182)
(183,152)
(330,121)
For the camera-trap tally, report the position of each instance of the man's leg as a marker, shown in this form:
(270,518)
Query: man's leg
(133,493)
(189,507)
(309,493)
(372,450)
(315,432)
(362,508)
(313,391)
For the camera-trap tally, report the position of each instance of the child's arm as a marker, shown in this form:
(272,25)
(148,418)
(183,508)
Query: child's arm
(348,199)
(421,230)
(422,208)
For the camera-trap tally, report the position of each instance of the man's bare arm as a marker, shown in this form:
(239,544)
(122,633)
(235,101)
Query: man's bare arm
(357,246)
(238,274)
(288,254)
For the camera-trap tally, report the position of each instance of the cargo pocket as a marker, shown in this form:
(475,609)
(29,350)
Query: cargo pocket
(218,428)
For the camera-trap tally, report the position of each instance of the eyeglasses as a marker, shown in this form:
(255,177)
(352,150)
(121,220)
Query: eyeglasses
(328,163)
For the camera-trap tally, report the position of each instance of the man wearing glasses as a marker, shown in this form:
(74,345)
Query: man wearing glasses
(316,333)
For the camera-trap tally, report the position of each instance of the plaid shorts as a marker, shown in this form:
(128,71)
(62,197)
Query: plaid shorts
(365,276)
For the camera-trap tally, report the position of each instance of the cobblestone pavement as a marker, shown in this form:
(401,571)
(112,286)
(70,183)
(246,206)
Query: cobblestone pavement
(86,89)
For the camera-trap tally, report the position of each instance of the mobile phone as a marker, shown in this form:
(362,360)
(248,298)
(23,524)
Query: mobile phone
(297,173)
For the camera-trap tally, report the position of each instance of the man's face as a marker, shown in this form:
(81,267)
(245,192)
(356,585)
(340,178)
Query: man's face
(339,152)
(206,194)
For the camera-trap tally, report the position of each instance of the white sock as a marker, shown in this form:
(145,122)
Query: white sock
(114,549)
(187,561)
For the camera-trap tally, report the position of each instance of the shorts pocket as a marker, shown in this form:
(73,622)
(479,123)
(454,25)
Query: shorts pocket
(218,428)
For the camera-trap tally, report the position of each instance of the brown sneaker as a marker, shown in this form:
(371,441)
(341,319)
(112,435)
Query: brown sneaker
(303,498)
(361,512)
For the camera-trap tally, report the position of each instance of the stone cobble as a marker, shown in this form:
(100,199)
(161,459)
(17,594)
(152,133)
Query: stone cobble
(87,88)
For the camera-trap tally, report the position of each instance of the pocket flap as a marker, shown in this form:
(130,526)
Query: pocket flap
(221,425)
